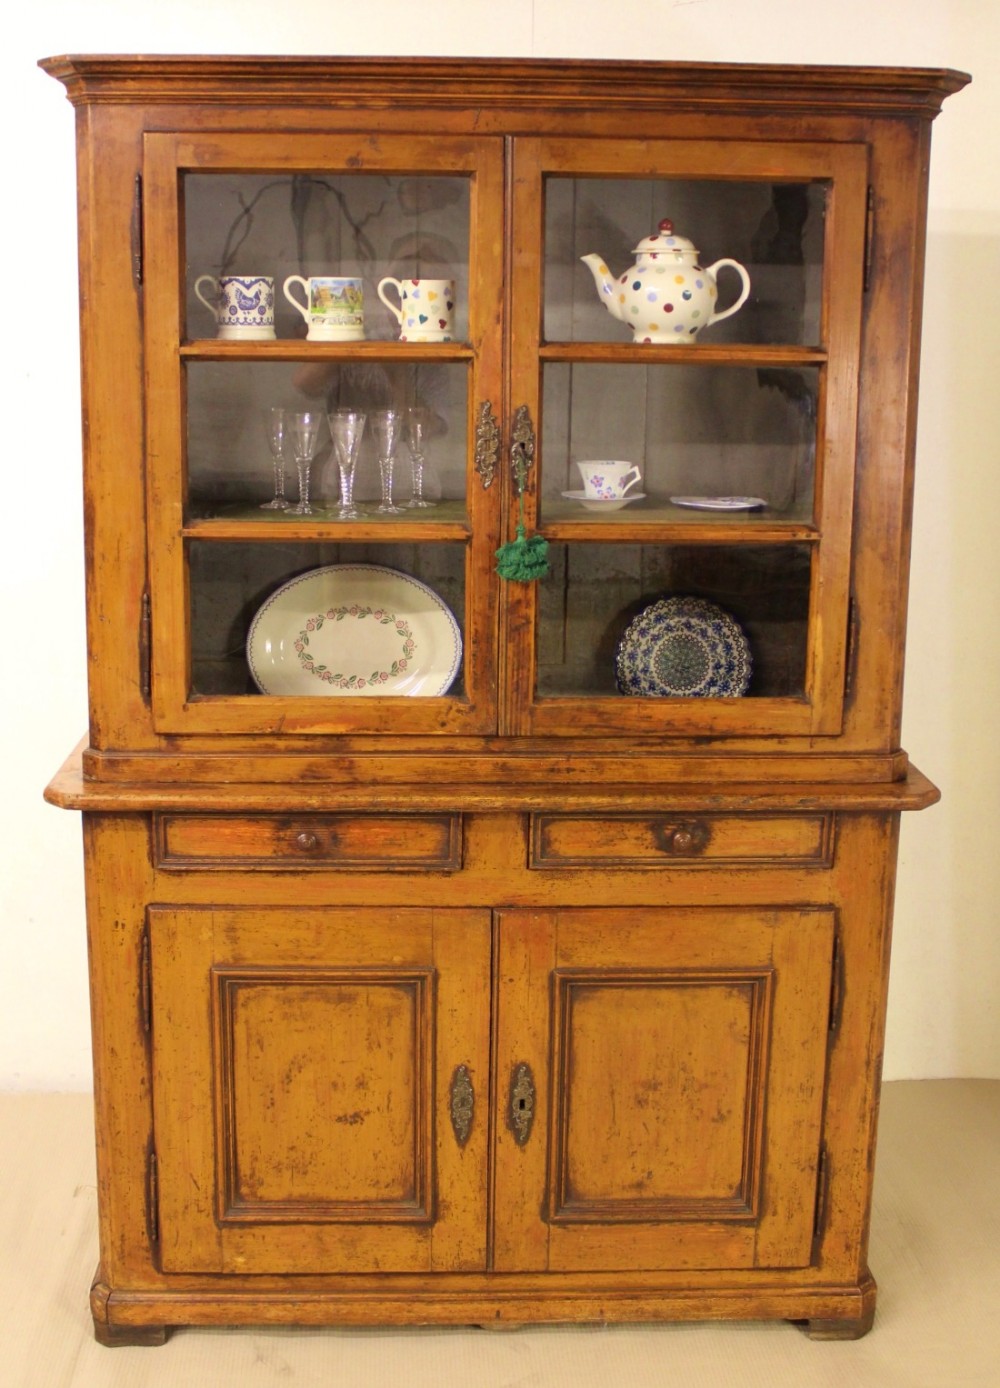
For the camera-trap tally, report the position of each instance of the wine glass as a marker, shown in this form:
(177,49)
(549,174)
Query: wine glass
(386,427)
(276,431)
(303,429)
(346,428)
(417,423)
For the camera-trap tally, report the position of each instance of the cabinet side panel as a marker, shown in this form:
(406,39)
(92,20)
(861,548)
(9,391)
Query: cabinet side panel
(111,346)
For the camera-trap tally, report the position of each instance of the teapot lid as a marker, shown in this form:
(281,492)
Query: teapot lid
(663,240)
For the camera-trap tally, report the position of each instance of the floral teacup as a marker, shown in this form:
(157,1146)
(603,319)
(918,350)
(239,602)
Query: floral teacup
(608,480)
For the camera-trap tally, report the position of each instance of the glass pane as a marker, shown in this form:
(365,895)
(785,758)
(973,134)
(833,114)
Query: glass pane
(692,431)
(229,583)
(367,226)
(594,591)
(230,464)
(774,230)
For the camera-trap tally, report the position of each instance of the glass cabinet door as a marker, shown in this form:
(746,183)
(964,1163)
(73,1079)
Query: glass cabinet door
(322,355)
(686,347)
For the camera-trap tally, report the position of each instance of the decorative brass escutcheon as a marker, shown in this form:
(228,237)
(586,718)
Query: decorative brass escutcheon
(522,448)
(487,444)
(462,1103)
(521,1109)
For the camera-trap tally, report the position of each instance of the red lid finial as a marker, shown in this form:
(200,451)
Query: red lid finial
(667,227)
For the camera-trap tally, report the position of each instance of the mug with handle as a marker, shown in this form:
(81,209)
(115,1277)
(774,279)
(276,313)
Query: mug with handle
(334,310)
(242,305)
(426,308)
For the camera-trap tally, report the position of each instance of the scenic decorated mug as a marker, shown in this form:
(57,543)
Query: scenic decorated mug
(426,308)
(243,305)
(605,480)
(334,310)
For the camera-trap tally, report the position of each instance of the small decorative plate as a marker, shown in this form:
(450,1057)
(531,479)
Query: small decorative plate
(596,503)
(720,503)
(684,648)
(354,629)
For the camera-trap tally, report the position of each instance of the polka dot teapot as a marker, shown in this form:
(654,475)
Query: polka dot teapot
(666,296)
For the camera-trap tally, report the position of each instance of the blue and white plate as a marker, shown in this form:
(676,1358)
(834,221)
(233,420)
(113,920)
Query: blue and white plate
(684,648)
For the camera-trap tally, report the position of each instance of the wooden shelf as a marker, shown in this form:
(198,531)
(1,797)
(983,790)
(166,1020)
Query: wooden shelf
(656,520)
(695,354)
(297,349)
(448,520)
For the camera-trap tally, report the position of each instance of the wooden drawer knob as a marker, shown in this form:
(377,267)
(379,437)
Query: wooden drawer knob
(307,842)
(684,840)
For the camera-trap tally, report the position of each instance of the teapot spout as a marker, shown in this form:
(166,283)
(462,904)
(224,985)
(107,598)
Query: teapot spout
(607,285)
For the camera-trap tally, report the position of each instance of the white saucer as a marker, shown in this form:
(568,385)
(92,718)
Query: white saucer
(720,503)
(594,503)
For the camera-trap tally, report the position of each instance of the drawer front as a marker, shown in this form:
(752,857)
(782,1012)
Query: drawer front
(295,842)
(685,840)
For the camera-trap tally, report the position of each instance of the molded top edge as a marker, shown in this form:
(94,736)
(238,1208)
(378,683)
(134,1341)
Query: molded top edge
(541,81)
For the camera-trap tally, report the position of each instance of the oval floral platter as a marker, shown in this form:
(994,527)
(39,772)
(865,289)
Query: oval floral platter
(684,647)
(354,629)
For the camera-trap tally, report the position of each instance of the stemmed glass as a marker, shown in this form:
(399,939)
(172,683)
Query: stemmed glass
(416,437)
(275,431)
(303,428)
(386,428)
(346,428)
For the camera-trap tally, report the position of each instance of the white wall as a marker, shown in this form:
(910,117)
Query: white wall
(943,1014)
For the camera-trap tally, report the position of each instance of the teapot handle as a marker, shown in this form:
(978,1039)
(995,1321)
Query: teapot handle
(733,308)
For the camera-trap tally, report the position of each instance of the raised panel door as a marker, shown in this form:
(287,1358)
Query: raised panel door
(677,1062)
(305,1064)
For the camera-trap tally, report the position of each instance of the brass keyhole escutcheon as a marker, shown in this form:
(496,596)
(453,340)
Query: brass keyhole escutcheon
(521,1104)
(462,1104)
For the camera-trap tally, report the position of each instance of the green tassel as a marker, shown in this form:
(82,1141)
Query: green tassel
(523,559)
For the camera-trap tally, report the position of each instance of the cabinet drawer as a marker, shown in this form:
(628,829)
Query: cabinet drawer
(685,840)
(294,842)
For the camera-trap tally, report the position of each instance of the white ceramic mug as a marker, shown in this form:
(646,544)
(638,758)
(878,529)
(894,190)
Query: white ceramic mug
(334,310)
(426,309)
(243,305)
(606,480)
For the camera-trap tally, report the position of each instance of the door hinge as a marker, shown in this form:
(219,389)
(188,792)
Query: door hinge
(145,658)
(869,235)
(137,232)
(836,988)
(152,1197)
(145,985)
(822,1184)
(851,658)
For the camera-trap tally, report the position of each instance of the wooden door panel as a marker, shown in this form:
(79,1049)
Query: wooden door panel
(645,1066)
(678,1097)
(304,1058)
(302,1070)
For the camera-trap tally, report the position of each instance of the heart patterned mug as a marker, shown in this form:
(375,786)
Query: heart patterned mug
(426,309)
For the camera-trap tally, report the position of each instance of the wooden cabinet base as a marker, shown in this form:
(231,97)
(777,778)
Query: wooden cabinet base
(146,1317)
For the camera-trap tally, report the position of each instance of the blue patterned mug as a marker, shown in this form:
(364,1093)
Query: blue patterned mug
(243,305)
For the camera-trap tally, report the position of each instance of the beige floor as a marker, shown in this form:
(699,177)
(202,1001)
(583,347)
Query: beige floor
(935,1252)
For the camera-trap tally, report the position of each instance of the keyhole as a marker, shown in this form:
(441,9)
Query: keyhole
(521,1104)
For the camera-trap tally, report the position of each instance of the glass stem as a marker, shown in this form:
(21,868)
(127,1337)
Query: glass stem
(279,480)
(385,467)
(418,477)
(347,486)
(303,467)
